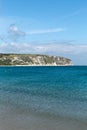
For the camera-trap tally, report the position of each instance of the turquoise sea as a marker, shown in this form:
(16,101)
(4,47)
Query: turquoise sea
(58,91)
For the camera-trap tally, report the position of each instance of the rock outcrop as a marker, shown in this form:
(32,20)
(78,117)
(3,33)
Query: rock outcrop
(33,60)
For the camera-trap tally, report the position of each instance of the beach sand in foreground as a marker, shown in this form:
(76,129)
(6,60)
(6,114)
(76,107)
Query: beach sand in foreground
(10,120)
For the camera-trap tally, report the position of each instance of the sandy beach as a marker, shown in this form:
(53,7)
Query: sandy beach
(11,119)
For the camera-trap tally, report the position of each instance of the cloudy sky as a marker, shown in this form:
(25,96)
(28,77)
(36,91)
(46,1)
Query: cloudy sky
(54,27)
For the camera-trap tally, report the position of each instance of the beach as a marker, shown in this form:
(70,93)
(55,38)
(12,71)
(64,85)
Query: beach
(19,120)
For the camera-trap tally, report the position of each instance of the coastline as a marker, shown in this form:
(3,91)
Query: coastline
(33,65)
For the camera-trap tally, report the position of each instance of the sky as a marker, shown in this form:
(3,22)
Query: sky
(53,27)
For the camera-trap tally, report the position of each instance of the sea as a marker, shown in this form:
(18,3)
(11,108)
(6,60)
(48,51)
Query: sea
(48,90)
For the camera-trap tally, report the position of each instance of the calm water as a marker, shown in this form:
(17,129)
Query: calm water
(54,90)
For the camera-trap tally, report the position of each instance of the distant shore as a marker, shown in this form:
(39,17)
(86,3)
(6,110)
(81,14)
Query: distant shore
(32,65)
(33,60)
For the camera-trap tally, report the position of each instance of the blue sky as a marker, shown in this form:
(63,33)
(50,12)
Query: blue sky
(55,27)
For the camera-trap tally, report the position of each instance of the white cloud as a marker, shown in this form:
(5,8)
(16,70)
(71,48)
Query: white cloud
(76,52)
(55,48)
(15,31)
(75,13)
(46,31)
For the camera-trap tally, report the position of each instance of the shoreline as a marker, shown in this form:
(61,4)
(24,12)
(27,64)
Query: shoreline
(34,65)
(18,120)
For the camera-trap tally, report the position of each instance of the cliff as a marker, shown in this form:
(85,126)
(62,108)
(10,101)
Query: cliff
(33,59)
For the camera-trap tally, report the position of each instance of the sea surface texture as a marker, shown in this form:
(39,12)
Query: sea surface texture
(57,91)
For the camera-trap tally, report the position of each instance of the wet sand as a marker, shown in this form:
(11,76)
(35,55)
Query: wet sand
(15,120)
